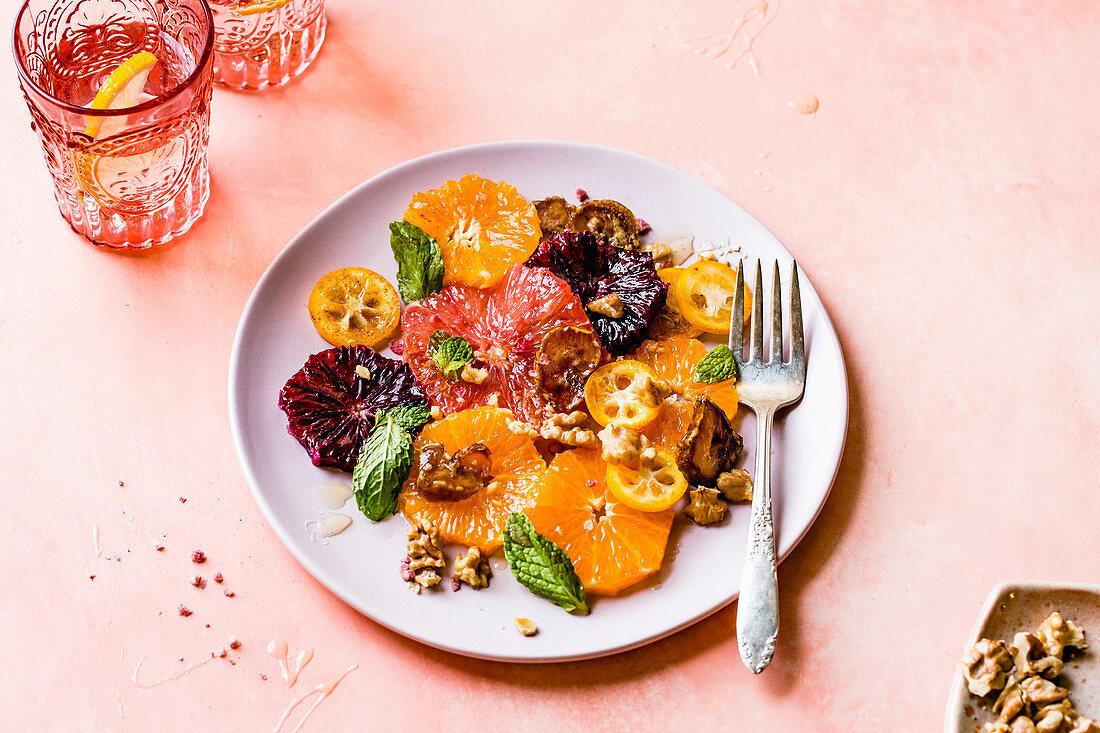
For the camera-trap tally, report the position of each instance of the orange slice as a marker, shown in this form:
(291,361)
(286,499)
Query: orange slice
(483,228)
(517,468)
(354,306)
(612,546)
(674,361)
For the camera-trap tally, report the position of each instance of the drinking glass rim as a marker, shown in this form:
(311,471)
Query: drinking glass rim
(24,75)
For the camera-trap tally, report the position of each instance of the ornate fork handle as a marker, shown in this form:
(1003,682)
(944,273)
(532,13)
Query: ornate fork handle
(758,604)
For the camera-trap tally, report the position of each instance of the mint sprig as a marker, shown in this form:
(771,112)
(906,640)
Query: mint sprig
(717,365)
(383,465)
(450,354)
(419,261)
(411,417)
(541,566)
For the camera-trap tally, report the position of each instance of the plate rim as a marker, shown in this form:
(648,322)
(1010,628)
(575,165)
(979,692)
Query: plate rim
(325,578)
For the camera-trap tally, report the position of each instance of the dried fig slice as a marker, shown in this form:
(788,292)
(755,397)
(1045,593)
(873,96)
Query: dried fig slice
(452,478)
(710,446)
(608,219)
(555,215)
(565,359)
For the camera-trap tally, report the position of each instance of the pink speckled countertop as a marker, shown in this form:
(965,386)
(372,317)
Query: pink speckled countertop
(944,200)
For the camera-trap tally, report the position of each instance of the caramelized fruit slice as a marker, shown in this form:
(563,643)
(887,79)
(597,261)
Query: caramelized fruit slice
(354,305)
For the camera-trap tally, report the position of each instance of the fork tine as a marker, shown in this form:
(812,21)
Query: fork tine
(798,347)
(737,317)
(777,318)
(757,354)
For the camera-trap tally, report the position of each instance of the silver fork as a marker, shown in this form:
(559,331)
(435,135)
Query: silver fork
(764,387)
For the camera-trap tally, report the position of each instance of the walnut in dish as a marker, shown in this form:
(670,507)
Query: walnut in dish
(570,429)
(472,569)
(706,506)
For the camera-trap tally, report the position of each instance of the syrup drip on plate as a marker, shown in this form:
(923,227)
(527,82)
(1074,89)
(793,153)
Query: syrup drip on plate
(324,690)
(327,525)
(804,103)
(170,678)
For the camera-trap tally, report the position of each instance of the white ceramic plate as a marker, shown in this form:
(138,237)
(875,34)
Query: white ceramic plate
(275,336)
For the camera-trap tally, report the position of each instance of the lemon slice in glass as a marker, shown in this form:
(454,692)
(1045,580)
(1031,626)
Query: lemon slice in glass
(123,88)
(261,6)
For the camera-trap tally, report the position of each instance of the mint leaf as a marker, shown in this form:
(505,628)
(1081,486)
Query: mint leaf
(450,353)
(717,365)
(411,417)
(419,262)
(382,467)
(542,566)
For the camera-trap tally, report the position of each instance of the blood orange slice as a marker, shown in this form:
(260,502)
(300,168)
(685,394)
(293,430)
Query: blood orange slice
(612,546)
(517,467)
(505,325)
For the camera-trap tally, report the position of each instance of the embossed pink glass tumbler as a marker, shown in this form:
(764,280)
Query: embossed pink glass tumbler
(119,94)
(262,43)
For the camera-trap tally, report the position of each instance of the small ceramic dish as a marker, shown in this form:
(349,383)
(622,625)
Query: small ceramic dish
(1013,607)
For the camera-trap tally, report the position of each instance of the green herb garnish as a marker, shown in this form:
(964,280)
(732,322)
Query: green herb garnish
(411,417)
(383,465)
(450,353)
(717,365)
(542,566)
(419,262)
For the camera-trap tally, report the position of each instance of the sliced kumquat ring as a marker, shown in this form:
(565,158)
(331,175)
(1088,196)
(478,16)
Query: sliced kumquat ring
(704,294)
(623,392)
(656,485)
(354,306)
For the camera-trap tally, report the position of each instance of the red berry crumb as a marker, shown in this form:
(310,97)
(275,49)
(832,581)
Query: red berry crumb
(455,584)
(198,581)
(234,643)
(582,195)
(91,577)
(185,611)
(591,483)
(183,500)
(121,484)
(643,226)
(198,556)
(397,346)
(218,578)
(229,594)
(263,677)
(406,573)
(159,548)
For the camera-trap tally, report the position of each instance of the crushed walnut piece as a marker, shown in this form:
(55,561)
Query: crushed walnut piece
(735,485)
(525,626)
(472,569)
(1056,634)
(610,305)
(421,568)
(474,374)
(444,477)
(523,429)
(437,413)
(985,666)
(622,445)
(1030,657)
(706,506)
(661,252)
(569,429)
(362,372)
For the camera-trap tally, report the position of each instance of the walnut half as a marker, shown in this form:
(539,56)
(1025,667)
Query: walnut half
(984,665)
(570,429)
(473,569)
(1057,633)
(421,568)
(706,506)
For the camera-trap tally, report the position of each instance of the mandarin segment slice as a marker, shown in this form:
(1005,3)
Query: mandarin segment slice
(483,228)
(516,470)
(611,545)
(674,360)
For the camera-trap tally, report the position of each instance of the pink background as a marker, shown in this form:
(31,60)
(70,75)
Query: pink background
(943,200)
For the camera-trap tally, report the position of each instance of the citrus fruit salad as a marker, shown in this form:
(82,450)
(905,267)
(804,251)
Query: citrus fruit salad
(548,392)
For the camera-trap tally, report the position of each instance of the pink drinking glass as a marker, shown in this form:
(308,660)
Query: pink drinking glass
(133,177)
(262,43)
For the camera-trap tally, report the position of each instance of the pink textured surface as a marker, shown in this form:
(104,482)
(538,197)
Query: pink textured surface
(943,199)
